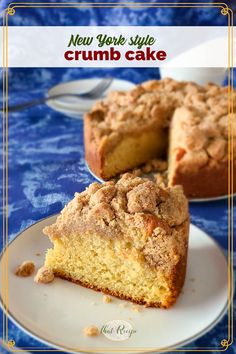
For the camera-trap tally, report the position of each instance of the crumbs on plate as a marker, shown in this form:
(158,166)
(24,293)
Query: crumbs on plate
(136,308)
(91,331)
(107,299)
(26,269)
(44,275)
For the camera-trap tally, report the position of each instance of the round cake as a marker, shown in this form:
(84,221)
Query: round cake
(183,122)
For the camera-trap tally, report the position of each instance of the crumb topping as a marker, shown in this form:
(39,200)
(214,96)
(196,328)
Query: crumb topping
(133,208)
(91,331)
(201,111)
(201,129)
(26,269)
(44,275)
(142,198)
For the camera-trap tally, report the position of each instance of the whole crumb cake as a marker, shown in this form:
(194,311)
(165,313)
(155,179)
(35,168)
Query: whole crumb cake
(186,121)
(127,238)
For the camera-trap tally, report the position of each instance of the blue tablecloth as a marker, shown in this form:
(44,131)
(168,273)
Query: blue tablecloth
(46,167)
(46,153)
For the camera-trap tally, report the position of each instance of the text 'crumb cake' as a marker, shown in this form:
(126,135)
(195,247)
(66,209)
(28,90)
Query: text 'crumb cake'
(183,120)
(127,238)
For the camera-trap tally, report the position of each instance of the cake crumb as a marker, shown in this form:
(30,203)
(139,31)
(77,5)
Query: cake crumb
(192,279)
(93,303)
(91,331)
(136,308)
(44,275)
(123,304)
(26,269)
(107,299)
(37,254)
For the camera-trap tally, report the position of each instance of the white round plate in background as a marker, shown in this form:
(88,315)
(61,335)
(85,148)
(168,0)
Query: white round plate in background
(76,107)
(57,313)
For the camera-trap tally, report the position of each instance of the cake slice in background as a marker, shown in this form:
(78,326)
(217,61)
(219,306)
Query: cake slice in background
(128,239)
(199,144)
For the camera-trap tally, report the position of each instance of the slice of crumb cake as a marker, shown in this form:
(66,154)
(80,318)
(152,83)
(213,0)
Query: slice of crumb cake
(128,239)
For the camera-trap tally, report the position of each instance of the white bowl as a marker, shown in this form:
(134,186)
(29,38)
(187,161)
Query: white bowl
(199,75)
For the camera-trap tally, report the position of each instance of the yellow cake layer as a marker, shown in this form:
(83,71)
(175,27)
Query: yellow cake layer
(110,266)
(134,150)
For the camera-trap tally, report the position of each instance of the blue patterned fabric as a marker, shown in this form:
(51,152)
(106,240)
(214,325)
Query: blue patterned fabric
(46,153)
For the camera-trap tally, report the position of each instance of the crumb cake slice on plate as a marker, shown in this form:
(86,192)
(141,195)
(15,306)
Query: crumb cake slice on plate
(128,239)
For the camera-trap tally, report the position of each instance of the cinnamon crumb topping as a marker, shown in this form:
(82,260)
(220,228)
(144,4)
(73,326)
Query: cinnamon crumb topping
(134,204)
(26,269)
(202,112)
(44,275)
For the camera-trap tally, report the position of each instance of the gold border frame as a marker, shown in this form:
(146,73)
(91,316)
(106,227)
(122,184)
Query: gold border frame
(10,11)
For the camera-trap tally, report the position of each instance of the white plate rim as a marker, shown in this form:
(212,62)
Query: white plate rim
(59,106)
(194,200)
(136,350)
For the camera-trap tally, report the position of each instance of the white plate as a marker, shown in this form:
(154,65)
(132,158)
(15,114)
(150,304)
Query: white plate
(56,313)
(195,200)
(75,107)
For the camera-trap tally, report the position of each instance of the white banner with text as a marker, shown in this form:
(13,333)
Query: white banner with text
(123,46)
